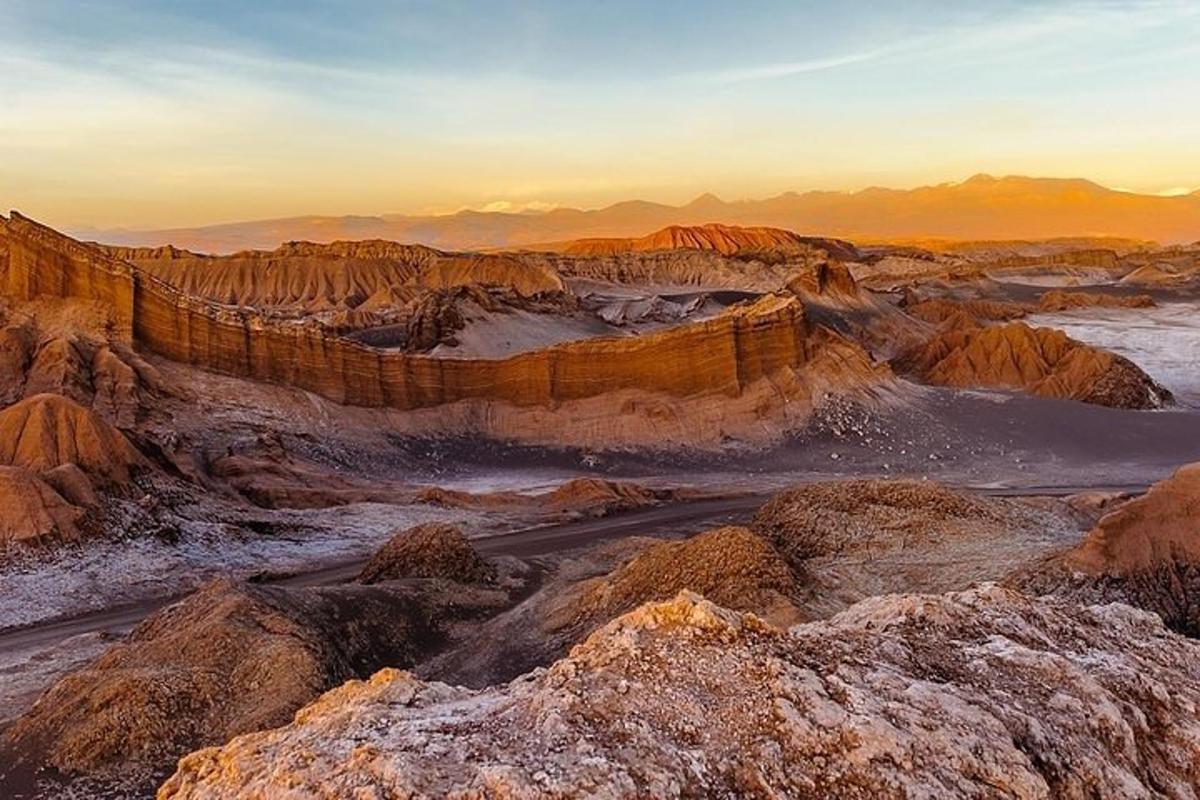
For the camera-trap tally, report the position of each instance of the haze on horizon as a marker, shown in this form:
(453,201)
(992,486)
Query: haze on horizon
(142,114)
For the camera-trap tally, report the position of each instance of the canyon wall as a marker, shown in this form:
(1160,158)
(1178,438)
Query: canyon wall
(44,263)
(723,354)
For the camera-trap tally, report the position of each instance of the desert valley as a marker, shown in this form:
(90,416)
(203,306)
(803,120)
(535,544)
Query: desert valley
(373,516)
(547,400)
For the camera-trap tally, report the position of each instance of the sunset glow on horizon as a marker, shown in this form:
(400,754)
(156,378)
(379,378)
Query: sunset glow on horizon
(142,114)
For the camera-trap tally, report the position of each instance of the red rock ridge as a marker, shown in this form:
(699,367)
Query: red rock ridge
(719,355)
(724,239)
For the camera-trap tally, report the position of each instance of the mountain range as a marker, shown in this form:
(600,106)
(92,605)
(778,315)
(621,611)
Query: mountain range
(982,207)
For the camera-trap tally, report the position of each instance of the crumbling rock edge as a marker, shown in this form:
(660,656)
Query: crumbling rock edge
(979,693)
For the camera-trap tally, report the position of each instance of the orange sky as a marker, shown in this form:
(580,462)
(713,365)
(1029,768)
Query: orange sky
(134,116)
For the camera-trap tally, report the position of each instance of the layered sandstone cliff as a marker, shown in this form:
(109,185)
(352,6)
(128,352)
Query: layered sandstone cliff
(900,696)
(721,356)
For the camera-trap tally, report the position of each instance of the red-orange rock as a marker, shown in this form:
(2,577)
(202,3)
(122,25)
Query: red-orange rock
(48,430)
(32,513)
(1160,527)
(725,239)
(1041,361)
(1067,301)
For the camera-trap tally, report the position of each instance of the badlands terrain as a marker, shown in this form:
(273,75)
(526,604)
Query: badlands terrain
(635,504)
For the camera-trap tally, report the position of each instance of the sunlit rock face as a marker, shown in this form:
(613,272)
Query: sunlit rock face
(1041,361)
(1145,552)
(722,355)
(962,695)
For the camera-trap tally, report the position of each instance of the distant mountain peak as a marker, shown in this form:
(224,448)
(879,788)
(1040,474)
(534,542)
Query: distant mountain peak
(706,200)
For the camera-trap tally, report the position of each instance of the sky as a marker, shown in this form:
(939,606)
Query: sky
(169,113)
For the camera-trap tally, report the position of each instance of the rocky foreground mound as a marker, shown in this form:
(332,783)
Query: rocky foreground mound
(230,659)
(858,516)
(1041,361)
(734,566)
(984,693)
(1146,552)
(432,550)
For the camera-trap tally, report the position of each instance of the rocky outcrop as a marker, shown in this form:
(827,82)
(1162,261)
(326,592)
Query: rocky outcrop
(1145,552)
(1041,361)
(598,497)
(1097,258)
(973,694)
(940,309)
(828,283)
(32,513)
(48,430)
(1153,275)
(1070,301)
(500,271)
(734,566)
(432,550)
(342,275)
(230,659)
(856,517)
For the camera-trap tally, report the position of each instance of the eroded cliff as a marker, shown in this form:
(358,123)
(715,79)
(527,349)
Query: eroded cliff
(719,356)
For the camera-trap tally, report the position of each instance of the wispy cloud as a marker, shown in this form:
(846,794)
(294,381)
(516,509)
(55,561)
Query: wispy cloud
(986,36)
(788,68)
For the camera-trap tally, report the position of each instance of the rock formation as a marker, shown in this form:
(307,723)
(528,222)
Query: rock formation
(296,275)
(719,356)
(1041,361)
(47,431)
(432,550)
(501,271)
(734,566)
(940,309)
(33,513)
(1153,275)
(1145,552)
(598,497)
(859,516)
(1069,301)
(725,239)
(827,283)
(974,694)
(230,659)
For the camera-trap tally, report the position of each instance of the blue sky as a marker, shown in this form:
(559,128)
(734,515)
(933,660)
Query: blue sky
(162,113)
